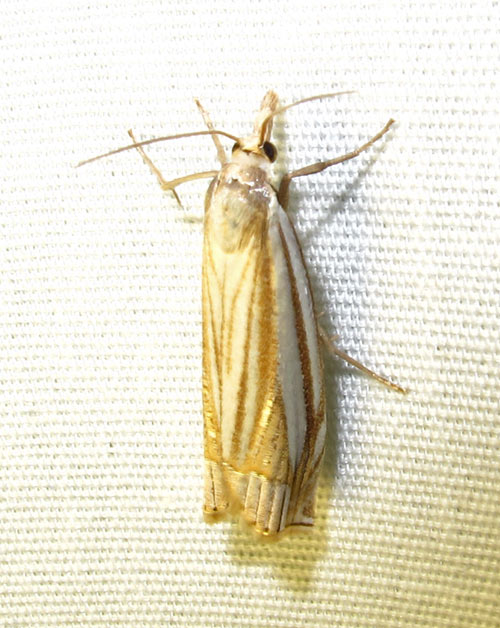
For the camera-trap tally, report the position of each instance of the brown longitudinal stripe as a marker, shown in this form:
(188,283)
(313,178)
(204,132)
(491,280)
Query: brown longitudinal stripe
(312,469)
(221,345)
(267,349)
(206,275)
(306,274)
(211,388)
(305,362)
(318,414)
(243,386)
(210,327)
(210,260)
(210,316)
(317,417)
(232,309)
(307,387)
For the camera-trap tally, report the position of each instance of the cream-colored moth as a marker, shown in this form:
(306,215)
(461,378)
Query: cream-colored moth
(263,390)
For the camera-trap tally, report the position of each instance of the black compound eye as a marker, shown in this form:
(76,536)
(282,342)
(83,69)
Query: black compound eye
(270,151)
(236,146)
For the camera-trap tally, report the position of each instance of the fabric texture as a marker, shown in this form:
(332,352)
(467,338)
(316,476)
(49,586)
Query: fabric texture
(100,316)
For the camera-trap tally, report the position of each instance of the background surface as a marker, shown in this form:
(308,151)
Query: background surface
(101,427)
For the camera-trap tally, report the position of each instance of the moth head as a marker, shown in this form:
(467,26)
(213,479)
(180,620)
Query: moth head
(258,143)
(266,150)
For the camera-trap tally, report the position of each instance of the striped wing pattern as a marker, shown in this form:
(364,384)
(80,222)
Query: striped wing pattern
(264,423)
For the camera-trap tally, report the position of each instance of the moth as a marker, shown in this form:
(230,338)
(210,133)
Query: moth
(263,387)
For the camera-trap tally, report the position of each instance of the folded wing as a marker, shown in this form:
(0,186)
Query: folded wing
(262,376)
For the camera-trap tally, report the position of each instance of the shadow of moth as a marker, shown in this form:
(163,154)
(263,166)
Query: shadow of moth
(263,390)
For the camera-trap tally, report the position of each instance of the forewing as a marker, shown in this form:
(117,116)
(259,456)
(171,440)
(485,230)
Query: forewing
(262,380)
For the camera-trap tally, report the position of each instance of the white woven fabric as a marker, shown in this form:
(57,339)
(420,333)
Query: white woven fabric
(101,427)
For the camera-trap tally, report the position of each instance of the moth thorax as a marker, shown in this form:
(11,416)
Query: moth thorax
(249,158)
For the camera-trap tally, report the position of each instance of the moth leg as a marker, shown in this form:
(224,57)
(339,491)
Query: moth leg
(323,165)
(221,153)
(173,183)
(347,358)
